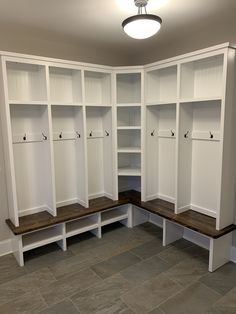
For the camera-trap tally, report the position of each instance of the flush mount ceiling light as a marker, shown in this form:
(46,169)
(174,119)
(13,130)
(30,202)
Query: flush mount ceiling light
(142,25)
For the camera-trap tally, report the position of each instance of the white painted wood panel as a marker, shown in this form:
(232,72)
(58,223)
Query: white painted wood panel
(161,85)
(26,82)
(128,88)
(65,85)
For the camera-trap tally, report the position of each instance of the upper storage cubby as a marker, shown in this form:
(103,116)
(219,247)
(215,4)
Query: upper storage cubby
(128,116)
(26,82)
(128,88)
(161,85)
(97,88)
(202,78)
(65,86)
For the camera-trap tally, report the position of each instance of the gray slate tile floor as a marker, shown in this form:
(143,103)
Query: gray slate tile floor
(127,271)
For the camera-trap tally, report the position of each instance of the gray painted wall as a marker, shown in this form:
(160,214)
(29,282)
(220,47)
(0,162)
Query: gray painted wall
(201,36)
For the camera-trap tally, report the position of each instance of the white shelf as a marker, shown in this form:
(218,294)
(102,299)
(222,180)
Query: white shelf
(129,128)
(112,216)
(81,225)
(95,104)
(39,238)
(129,150)
(126,171)
(162,103)
(202,99)
(66,104)
(129,105)
(28,102)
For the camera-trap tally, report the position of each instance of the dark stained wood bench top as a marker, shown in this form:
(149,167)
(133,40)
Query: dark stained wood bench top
(193,220)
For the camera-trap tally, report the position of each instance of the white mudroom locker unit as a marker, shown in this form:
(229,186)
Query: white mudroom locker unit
(76,132)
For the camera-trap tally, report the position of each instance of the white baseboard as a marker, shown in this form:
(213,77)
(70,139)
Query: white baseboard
(233,254)
(33,210)
(67,202)
(82,203)
(96,195)
(203,210)
(198,209)
(166,198)
(108,195)
(183,209)
(160,196)
(5,247)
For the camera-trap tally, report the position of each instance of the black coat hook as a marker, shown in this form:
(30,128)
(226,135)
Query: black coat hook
(152,133)
(172,133)
(44,137)
(186,134)
(24,137)
(107,134)
(91,133)
(211,135)
(77,133)
(60,135)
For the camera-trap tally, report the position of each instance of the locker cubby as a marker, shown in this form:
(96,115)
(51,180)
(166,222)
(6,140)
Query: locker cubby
(199,157)
(128,116)
(161,85)
(42,237)
(69,155)
(161,152)
(129,139)
(32,158)
(97,88)
(99,151)
(129,164)
(65,86)
(128,88)
(114,215)
(82,225)
(202,78)
(126,183)
(26,82)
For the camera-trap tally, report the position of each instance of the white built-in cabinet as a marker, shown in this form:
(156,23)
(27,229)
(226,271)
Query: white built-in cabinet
(74,132)
(189,147)
(58,132)
(128,94)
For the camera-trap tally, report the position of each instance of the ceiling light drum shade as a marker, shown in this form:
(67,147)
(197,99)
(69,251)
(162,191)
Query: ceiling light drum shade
(142,26)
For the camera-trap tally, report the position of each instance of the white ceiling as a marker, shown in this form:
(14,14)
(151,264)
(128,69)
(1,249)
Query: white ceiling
(99,21)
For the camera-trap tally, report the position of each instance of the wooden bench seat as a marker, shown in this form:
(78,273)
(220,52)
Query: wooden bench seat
(219,242)
(195,221)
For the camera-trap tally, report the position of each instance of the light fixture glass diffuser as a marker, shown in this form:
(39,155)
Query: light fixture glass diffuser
(142,26)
